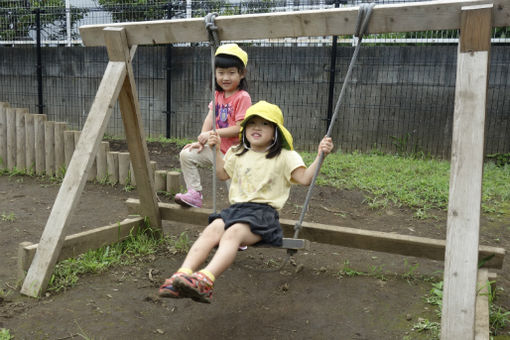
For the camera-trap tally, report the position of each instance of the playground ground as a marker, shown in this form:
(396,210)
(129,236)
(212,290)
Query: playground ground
(306,300)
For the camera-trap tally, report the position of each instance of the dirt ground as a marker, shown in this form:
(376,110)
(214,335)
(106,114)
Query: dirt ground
(312,303)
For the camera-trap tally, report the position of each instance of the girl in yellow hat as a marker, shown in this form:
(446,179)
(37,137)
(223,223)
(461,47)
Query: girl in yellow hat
(262,168)
(231,101)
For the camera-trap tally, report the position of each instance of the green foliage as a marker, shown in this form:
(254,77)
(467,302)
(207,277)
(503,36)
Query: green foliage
(499,317)
(180,142)
(141,10)
(5,334)
(136,246)
(500,159)
(419,183)
(18,19)
(7,217)
(348,271)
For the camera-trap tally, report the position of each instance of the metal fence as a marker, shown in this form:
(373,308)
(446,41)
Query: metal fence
(400,98)
(21,24)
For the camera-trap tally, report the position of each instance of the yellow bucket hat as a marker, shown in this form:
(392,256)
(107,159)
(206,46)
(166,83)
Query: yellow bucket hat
(234,50)
(271,113)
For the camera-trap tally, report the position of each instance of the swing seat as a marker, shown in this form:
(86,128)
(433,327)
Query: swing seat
(295,243)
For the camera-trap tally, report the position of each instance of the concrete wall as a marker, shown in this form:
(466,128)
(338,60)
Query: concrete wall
(400,98)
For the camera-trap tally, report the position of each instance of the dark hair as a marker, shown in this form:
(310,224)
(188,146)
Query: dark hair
(273,151)
(226,61)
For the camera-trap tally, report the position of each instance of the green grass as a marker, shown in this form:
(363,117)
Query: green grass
(7,217)
(135,247)
(421,184)
(5,334)
(180,142)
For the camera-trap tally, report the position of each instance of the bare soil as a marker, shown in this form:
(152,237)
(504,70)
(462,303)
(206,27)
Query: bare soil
(307,299)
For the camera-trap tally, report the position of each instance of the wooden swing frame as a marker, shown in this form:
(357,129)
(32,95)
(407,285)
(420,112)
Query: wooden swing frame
(474,18)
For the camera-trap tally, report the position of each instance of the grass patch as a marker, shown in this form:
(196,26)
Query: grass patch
(499,317)
(419,183)
(134,248)
(5,334)
(180,142)
(7,217)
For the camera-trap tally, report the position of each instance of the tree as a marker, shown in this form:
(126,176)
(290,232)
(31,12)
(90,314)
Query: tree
(143,10)
(18,18)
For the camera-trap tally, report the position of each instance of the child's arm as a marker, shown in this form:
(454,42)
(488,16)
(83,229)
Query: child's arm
(303,175)
(207,126)
(214,139)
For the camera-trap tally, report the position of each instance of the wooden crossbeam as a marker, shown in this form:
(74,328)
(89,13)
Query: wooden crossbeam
(402,17)
(464,205)
(341,236)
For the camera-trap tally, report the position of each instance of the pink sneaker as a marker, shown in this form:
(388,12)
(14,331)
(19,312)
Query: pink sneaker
(192,198)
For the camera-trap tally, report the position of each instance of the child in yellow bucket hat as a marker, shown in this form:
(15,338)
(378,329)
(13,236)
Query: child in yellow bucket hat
(231,101)
(262,168)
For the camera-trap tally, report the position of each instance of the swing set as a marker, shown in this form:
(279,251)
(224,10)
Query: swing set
(464,308)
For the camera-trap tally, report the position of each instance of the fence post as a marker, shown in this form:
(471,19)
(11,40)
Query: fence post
(332,72)
(40,104)
(168,78)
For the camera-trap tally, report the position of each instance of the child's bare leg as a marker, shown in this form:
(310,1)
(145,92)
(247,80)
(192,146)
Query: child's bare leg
(209,239)
(232,238)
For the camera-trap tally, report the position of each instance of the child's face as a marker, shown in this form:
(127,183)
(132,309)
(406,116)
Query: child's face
(228,79)
(260,133)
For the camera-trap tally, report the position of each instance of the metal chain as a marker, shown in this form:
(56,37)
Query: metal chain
(212,30)
(364,13)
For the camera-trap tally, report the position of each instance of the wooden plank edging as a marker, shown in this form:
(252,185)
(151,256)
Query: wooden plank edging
(80,243)
(341,236)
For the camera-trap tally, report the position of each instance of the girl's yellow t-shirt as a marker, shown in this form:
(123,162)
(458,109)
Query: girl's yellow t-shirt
(260,180)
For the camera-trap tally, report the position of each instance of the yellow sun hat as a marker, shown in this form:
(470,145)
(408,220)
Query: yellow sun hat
(233,50)
(271,113)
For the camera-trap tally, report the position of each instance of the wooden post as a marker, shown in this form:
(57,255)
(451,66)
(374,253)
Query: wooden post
(20,139)
(101,161)
(40,150)
(124,164)
(60,160)
(173,182)
(23,260)
(112,161)
(153,165)
(132,178)
(49,145)
(118,49)
(30,142)
(3,135)
(74,181)
(463,222)
(160,180)
(11,138)
(482,324)
(68,146)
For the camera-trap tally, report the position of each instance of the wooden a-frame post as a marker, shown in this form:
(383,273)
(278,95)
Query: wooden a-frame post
(117,82)
(463,223)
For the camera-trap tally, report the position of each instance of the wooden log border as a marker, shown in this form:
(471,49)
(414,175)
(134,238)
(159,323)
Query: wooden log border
(80,243)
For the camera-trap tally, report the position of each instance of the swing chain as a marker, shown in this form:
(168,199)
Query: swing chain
(364,13)
(212,29)
(214,42)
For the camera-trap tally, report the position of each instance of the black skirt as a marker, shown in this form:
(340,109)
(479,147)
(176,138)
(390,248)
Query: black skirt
(263,220)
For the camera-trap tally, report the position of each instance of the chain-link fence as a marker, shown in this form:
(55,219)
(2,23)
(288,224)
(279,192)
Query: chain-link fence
(400,97)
